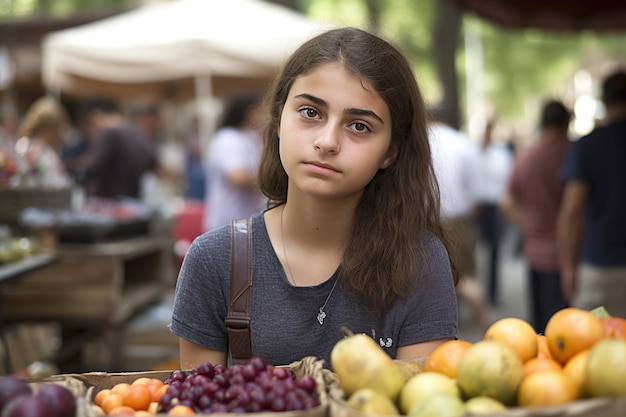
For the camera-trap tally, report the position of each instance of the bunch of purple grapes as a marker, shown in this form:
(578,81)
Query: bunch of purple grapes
(250,388)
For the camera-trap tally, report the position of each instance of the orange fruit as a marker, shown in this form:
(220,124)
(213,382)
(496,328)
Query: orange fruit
(120,388)
(111,401)
(546,388)
(516,333)
(140,381)
(137,397)
(180,410)
(153,385)
(122,411)
(614,327)
(156,395)
(101,395)
(543,351)
(445,358)
(575,369)
(572,330)
(540,364)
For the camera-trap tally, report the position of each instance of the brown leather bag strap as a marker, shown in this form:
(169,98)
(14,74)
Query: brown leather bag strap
(239,308)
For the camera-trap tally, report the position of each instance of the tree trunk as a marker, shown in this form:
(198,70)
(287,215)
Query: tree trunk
(373,13)
(292,4)
(446,35)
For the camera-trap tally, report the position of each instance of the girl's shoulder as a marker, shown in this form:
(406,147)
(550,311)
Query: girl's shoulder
(221,235)
(432,242)
(435,255)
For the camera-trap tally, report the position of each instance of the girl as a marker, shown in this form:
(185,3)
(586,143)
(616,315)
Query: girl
(352,235)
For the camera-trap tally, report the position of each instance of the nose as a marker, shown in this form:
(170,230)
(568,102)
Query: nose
(327,140)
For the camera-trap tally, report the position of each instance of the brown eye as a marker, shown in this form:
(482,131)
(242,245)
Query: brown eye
(359,127)
(309,113)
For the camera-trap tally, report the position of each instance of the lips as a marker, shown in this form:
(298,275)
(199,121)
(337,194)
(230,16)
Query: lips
(322,166)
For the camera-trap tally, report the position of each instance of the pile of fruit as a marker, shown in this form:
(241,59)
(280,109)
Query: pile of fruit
(19,399)
(139,397)
(581,355)
(253,387)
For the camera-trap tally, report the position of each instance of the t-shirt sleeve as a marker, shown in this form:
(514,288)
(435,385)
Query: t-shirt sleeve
(201,296)
(572,169)
(431,310)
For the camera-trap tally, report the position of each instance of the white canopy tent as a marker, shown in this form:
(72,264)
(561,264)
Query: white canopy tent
(172,41)
(176,50)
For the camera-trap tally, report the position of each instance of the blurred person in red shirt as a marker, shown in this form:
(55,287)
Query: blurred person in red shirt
(531,201)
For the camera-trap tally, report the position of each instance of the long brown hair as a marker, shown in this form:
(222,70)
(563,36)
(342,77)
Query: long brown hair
(401,203)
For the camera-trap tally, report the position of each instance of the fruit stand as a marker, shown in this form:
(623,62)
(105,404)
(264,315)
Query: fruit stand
(363,382)
(92,291)
(11,272)
(112,260)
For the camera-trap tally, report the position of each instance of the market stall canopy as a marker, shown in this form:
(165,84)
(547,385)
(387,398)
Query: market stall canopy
(162,49)
(558,15)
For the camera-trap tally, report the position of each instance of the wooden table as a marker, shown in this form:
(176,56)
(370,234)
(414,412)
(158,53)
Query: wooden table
(14,270)
(93,290)
(10,273)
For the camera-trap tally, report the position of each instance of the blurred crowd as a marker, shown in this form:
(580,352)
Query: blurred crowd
(565,196)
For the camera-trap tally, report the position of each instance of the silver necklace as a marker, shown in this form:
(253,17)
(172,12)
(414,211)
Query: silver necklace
(321,314)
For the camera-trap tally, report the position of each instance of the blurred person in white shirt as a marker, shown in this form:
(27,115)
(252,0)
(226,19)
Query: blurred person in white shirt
(232,162)
(495,161)
(455,162)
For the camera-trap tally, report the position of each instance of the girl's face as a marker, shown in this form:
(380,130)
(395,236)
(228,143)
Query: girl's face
(335,133)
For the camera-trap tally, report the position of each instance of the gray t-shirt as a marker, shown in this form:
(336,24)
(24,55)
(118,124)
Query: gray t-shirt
(284,326)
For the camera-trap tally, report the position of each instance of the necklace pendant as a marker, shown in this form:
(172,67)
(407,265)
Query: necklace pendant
(321,316)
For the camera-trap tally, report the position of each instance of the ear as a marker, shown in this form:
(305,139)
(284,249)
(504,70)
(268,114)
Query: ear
(390,158)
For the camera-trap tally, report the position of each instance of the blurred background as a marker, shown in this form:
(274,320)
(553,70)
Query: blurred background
(498,64)
(88,285)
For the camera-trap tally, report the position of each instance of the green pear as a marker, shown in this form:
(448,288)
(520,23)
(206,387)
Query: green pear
(371,402)
(606,369)
(438,405)
(424,385)
(484,405)
(359,362)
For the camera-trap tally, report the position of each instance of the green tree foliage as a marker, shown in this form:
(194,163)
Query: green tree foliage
(407,23)
(523,63)
(20,9)
(519,65)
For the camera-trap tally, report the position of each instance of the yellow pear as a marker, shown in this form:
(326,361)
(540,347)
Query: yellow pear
(424,385)
(484,405)
(371,402)
(605,370)
(438,405)
(359,362)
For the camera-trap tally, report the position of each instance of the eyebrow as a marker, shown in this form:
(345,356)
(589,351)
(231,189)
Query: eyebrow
(352,111)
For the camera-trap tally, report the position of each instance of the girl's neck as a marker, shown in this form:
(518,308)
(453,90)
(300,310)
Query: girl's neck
(319,224)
